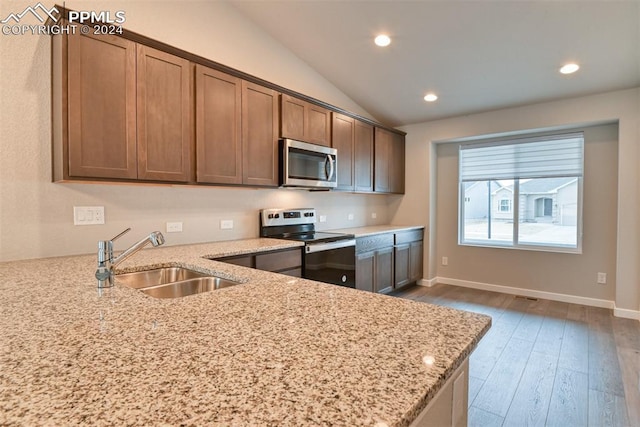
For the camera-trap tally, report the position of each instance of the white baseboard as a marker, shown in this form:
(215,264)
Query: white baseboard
(427,282)
(627,314)
(573,299)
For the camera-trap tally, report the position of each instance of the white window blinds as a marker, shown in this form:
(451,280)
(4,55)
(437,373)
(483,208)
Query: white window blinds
(539,157)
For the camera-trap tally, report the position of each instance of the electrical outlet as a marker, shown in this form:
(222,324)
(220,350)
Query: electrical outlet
(174,227)
(226,224)
(323,218)
(350,217)
(374,215)
(602,278)
(88,215)
(445,260)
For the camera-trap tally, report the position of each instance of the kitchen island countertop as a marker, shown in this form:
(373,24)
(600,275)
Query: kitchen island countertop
(274,350)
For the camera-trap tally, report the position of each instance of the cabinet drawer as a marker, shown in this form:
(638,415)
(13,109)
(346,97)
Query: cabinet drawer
(371,243)
(409,236)
(279,261)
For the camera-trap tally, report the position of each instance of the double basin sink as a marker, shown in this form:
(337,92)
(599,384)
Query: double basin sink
(172,282)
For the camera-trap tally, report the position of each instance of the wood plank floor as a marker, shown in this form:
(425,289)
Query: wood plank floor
(546,363)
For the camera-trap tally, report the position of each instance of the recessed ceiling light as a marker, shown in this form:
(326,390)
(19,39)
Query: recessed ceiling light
(382,40)
(430,97)
(569,68)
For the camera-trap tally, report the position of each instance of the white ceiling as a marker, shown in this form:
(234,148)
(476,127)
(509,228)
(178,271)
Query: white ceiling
(476,55)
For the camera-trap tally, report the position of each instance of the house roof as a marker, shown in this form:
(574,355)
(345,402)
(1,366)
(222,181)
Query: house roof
(547,185)
(495,185)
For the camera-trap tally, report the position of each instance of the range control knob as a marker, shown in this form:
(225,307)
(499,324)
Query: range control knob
(270,216)
(277,215)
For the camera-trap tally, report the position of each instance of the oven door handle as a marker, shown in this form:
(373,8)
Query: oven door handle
(319,247)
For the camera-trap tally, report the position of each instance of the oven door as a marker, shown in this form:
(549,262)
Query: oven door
(333,262)
(308,165)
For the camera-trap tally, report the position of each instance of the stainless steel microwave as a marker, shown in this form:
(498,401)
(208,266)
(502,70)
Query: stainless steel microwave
(307,165)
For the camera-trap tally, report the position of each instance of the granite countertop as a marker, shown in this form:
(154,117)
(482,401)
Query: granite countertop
(274,350)
(376,229)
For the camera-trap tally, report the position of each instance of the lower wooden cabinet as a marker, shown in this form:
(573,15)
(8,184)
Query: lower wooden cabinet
(408,251)
(389,261)
(286,261)
(374,263)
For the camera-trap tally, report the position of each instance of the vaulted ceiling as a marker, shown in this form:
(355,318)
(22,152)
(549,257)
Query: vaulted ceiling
(475,55)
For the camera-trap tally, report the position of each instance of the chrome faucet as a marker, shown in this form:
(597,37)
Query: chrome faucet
(106,261)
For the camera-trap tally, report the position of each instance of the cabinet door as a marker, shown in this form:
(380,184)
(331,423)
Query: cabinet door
(363,157)
(402,264)
(218,127)
(102,107)
(259,135)
(303,121)
(384,270)
(318,125)
(292,112)
(342,138)
(382,157)
(389,162)
(164,93)
(415,261)
(396,164)
(365,271)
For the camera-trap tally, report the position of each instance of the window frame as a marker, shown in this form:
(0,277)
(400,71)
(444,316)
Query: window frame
(515,212)
(509,206)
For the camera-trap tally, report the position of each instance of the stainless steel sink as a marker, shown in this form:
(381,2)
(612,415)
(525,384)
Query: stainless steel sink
(172,282)
(188,287)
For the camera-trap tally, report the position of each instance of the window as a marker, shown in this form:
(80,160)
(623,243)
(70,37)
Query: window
(522,193)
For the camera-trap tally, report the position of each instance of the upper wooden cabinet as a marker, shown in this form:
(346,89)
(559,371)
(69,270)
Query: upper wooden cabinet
(259,135)
(128,110)
(164,116)
(343,139)
(218,127)
(236,130)
(304,121)
(389,162)
(100,86)
(354,141)
(363,157)
(124,108)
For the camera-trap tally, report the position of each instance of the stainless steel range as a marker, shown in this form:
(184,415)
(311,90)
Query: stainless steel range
(329,257)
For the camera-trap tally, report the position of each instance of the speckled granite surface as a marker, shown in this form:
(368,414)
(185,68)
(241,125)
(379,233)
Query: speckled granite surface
(376,229)
(273,351)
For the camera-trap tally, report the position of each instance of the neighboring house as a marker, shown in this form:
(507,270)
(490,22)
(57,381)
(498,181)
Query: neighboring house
(552,200)
(476,200)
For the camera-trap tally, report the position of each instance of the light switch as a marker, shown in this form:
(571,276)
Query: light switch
(226,224)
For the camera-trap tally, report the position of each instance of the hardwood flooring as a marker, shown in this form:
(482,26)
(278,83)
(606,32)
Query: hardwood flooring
(546,363)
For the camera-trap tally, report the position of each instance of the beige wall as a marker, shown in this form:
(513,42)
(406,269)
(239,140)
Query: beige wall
(36,216)
(573,274)
(419,204)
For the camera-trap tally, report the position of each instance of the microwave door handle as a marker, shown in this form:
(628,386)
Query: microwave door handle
(330,161)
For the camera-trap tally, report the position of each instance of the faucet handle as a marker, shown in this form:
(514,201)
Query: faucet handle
(121,234)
